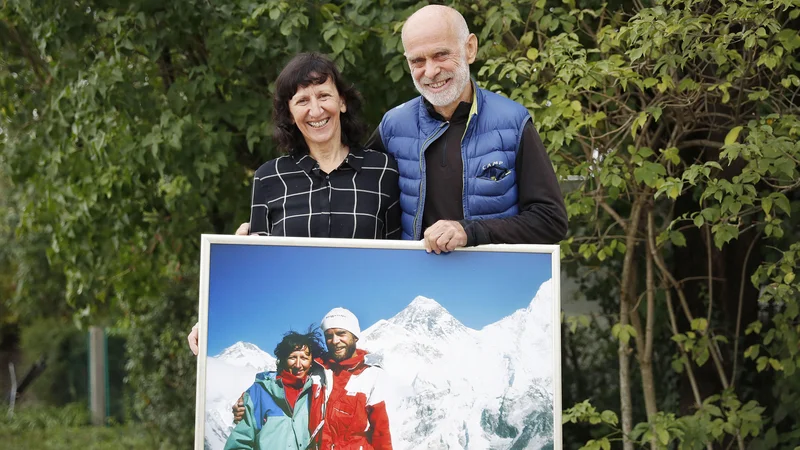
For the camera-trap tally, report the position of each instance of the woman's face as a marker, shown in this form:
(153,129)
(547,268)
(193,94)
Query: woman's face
(299,362)
(315,109)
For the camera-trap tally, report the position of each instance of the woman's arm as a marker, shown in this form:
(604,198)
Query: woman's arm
(259,211)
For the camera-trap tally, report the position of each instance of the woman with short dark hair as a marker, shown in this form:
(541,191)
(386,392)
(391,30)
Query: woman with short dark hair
(284,409)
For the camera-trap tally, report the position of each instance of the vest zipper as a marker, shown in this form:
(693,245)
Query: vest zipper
(421,201)
(464,205)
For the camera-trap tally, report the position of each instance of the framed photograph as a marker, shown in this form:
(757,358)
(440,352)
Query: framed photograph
(468,342)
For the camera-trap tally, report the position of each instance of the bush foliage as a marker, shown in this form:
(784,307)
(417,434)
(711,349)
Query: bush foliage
(130,128)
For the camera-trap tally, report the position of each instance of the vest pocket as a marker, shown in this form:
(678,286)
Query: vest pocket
(493,181)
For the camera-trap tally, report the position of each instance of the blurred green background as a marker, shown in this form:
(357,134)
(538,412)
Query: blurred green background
(129,128)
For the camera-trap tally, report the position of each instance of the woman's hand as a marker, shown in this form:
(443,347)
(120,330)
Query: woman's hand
(243,230)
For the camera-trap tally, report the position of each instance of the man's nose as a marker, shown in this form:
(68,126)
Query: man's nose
(431,69)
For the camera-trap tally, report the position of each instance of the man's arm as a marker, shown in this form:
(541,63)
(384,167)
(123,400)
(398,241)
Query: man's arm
(391,185)
(542,217)
(243,435)
(375,142)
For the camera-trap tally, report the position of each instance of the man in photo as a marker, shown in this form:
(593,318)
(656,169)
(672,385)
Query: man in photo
(355,413)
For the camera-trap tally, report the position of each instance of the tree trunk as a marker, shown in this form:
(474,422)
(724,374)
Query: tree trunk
(626,287)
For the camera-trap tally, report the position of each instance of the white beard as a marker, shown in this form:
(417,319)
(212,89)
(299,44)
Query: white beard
(458,83)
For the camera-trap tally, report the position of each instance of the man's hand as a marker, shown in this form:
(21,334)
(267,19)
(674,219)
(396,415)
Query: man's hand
(444,236)
(243,230)
(194,339)
(238,409)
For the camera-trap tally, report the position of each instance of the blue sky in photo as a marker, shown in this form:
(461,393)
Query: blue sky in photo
(258,292)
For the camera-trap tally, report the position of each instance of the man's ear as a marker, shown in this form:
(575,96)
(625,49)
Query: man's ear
(472,48)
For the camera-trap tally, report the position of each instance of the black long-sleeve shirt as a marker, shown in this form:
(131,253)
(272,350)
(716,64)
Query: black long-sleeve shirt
(542,217)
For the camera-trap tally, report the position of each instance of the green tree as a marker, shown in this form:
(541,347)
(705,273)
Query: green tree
(647,110)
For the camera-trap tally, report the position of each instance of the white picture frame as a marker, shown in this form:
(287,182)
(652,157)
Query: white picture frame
(378,277)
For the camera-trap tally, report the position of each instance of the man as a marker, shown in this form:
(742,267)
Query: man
(473,169)
(355,414)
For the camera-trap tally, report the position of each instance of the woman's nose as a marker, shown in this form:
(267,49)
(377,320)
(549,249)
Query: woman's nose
(315,108)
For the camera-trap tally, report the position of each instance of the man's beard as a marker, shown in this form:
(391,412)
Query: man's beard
(460,78)
(349,352)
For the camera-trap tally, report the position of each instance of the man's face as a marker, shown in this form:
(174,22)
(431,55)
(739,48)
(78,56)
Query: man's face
(341,343)
(439,63)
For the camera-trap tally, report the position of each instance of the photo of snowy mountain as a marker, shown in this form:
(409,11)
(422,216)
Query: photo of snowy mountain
(454,387)
(469,341)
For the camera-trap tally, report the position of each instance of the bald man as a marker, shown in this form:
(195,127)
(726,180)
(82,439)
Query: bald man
(473,169)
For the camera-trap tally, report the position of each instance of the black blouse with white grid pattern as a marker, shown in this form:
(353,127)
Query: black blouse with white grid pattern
(359,199)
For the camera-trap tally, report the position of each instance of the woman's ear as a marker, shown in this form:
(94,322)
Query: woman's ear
(343,107)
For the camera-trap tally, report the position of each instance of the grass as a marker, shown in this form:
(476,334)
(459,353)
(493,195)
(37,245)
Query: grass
(66,428)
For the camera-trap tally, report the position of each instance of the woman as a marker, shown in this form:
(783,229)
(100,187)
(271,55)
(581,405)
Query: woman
(326,185)
(283,409)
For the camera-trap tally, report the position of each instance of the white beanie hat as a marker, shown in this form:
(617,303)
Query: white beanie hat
(341,318)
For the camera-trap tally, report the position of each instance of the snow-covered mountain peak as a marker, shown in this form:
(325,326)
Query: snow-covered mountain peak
(425,317)
(247,354)
(421,302)
(237,349)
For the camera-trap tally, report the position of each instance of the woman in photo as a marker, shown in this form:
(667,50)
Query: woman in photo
(284,409)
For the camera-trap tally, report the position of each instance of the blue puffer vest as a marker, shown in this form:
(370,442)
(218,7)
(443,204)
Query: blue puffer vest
(488,150)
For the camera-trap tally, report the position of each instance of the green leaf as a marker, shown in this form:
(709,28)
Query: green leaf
(782,202)
(733,135)
(699,220)
(532,53)
(663,436)
(677,238)
(766,203)
(338,44)
(699,324)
